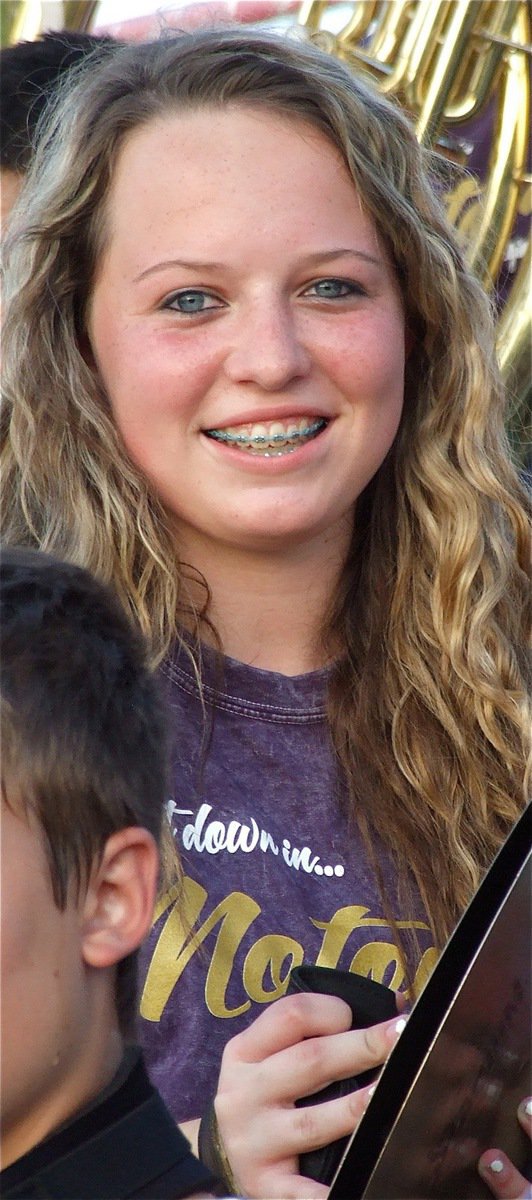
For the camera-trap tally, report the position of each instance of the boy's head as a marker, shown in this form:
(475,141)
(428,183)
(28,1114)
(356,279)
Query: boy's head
(29,72)
(83,787)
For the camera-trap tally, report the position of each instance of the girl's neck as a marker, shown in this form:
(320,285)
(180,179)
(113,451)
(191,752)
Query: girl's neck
(269,609)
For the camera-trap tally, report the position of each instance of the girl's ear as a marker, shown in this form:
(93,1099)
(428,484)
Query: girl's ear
(118,907)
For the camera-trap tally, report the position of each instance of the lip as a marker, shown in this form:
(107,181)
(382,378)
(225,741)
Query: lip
(258,416)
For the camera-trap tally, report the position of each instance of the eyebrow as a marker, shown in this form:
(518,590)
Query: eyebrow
(308,260)
(329,255)
(188,263)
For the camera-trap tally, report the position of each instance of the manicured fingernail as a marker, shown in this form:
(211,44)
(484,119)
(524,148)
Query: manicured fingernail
(496,1165)
(526,1107)
(369,1094)
(393,1031)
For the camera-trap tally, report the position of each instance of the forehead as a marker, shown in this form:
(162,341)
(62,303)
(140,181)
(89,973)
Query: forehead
(212,171)
(211,137)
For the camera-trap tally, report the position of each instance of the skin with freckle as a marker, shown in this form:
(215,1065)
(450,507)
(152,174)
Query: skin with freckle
(273,419)
(269,341)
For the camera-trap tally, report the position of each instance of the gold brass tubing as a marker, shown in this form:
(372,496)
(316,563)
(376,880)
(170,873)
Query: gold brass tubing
(21,19)
(480,69)
(514,339)
(310,14)
(506,164)
(391,26)
(79,14)
(358,24)
(357,59)
(503,41)
(416,45)
(445,67)
(11,20)
(417,39)
(17,20)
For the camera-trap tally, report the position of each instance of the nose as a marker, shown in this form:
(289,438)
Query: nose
(267,350)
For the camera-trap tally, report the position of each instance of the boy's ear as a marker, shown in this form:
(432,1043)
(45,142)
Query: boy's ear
(118,907)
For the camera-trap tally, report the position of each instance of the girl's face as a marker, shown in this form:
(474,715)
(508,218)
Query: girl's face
(248,328)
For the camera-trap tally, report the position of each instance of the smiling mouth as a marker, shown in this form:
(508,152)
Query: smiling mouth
(269,440)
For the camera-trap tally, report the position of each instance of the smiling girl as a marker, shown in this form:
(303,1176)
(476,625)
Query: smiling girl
(250,380)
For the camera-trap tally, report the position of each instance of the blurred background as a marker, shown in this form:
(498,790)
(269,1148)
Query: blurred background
(462,70)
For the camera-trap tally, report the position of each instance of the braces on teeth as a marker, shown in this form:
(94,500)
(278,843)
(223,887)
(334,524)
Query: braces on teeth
(243,439)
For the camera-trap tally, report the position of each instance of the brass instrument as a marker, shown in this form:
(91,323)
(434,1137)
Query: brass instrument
(449,62)
(25,19)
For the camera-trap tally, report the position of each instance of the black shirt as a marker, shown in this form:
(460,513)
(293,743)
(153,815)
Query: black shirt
(124,1145)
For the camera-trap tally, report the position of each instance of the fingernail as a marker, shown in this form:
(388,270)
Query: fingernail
(369,1094)
(393,1031)
(496,1165)
(525,1107)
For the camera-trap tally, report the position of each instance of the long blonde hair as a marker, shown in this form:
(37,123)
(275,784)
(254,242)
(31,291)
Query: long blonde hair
(429,709)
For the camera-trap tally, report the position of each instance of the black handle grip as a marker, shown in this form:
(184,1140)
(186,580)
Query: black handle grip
(370,1003)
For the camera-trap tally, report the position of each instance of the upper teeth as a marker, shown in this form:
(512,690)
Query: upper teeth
(272,434)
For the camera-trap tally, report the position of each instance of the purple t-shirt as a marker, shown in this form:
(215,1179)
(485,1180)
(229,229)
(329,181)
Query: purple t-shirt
(274,874)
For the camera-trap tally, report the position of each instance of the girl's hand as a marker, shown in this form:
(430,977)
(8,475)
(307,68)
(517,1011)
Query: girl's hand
(503,1179)
(297,1046)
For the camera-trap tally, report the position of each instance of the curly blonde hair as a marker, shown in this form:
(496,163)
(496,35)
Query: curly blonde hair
(429,706)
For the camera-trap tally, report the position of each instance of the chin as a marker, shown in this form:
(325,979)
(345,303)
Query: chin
(272,537)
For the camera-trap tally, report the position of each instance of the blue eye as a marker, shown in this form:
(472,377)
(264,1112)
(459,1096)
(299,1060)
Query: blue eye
(335,289)
(191,300)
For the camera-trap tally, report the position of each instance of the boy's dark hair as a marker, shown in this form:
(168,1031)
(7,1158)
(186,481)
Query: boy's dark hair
(29,72)
(82,722)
